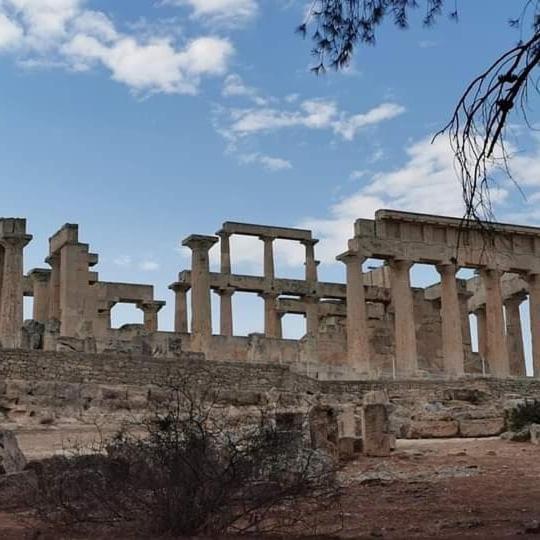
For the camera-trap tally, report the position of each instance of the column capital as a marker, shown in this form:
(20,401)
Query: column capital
(151,306)
(266,238)
(15,241)
(479,309)
(179,286)
(447,267)
(223,234)
(200,242)
(309,241)
(400,264)
(310,298)
(268,295)
(225,291)
(351,257)
(41,275)
(516,298)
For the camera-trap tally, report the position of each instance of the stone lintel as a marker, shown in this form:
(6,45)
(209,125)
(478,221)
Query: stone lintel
(67,234)
(12,227)
(40,274)
(200,241)
(251,229)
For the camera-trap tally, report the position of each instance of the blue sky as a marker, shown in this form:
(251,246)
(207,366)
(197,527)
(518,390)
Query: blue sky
(147,121)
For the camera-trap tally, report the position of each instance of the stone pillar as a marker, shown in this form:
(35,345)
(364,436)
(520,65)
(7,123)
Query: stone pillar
(40,282)
(311,263)
(405,329)
(225,311)
(269,269)
(463,296)
(358,346)
(312,315)
(225,252)
(480,314)
(11,307)
(54,287)
(496,350)
(534,309)
(74,284)
(452,337)
(1,270)
(102,323)
(514,335)
(150,309)
(272,319)
(180,306)
(201,307)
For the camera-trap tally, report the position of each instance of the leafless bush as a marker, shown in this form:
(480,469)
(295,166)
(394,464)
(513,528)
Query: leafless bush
(191,468)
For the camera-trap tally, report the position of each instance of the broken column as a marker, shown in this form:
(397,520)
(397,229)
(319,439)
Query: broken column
(150,309)
(376,439)
(496,348)
(514,334)
(358,347)
(180,306)
(452,338)
(13,239)
(405,329)
(272,319)
(201,307)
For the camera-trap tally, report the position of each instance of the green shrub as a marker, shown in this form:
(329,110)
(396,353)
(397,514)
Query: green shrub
(523,414)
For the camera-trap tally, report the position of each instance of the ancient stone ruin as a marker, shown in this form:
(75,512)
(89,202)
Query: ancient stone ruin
(374,326)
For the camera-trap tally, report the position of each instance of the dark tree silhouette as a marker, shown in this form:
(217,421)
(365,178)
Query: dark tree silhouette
(477,127)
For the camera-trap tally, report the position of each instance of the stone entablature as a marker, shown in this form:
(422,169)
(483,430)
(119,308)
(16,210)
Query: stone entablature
(375,325)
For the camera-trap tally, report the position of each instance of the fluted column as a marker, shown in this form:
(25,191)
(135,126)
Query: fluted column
(150,311)
(225,311)
(40,283)
(534,309)
(358,346)
(180,306)
(514,335)
(452,338)
(496,349)
(201,307)
(405,328)
(11,307)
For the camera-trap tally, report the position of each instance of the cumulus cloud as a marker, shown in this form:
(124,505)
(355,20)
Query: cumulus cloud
(312,114)
(63,32)
(268,162)
(221,11)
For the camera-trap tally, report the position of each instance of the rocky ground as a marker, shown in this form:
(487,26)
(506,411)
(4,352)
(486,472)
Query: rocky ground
(446,489)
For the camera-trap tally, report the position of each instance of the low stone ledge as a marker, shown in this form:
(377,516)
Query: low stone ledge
(433,429)
(481,427)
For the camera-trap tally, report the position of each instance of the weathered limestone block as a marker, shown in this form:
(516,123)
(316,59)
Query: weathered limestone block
(375,439)
(12,459)
(347,447)
(433,429)
(534,430)
(32,335)
(481,427)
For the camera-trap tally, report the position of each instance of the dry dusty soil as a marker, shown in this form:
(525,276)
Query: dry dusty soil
(444,489)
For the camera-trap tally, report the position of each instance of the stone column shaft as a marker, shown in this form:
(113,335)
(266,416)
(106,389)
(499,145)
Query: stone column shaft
(452,338)
(180,308)
(496,349)
(225,252)
(312,315)
(480,314)
(11,307)
(272,319)
(40,281)
(54,288)
(534,308)
(225,312)
(269,268)
(311,263)
(514,335)
(405,328)
(358,346)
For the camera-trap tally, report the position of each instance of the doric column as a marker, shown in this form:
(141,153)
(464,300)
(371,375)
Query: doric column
(480,314)
(102,323)
(269,269)
(150,309)
(225,311)
(11,307)
(405,329)
(534,309)
(180,306)
(358,346)
(272,320)
(201,308)
(452,338)
(311,263)
(54,287)
(40,281)
(463,297)
(514,334)
(312,315)
(496,350)
(225,252)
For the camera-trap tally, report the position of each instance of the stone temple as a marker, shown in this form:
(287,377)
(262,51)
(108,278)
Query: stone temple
(373,327)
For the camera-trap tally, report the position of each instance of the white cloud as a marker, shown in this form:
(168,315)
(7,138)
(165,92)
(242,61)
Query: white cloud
(268,162)
(123,260)
(63,33)
(148,266)
(221,11)
(312,114)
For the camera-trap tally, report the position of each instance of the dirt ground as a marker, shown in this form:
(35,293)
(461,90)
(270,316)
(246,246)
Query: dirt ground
(445,489)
